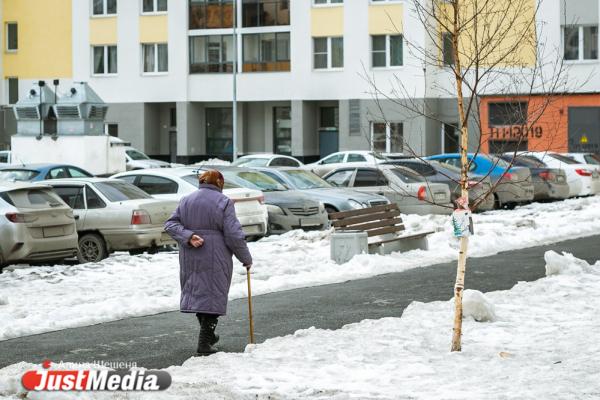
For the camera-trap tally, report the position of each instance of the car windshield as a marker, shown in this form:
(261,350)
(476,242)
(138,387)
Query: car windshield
(33,198)
(120,191)
(253,180)
(136,155)
(532,159)
(24,175)
(251,162)
(593,159)
(495,160)
(193,180)
(565,159)
(522,161)
(407,176)
(305,180)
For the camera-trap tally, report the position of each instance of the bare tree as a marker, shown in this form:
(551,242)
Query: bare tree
(475,48)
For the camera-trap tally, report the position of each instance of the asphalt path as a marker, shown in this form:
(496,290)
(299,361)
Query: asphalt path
(161,340)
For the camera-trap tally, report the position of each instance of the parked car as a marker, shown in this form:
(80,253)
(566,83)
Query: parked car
(480,187)
(399,184)
(40,172)
(548,183)
(136,159)
(583,179)
(113,215)
(35,224)
(513,184)
(267,160)
(288,209)
(335,199)
(174,183)
(342,158)
(585,158)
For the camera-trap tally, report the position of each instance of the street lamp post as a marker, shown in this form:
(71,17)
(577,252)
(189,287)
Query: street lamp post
(235,66)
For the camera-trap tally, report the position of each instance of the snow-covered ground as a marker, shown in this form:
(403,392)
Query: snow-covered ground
(539,342)
(41,299)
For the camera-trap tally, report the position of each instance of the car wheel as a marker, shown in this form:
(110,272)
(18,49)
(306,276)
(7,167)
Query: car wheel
(330,209)
(92,248)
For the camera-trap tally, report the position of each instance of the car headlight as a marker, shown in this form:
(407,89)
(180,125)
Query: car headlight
(355,204)
(271,209)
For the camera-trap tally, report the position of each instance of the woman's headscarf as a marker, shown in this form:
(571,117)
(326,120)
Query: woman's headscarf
(212,177)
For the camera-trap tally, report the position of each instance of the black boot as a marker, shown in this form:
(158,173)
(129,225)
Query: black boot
(208,323)
(215,337)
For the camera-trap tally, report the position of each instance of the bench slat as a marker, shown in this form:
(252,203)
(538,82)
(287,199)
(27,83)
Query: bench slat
(411,236)
(363,211)
(376,224)
(386,230)
(348,222)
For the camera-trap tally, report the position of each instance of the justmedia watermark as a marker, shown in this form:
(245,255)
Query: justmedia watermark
(94,376)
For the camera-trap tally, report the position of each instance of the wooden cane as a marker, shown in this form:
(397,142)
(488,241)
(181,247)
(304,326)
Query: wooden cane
(250,308)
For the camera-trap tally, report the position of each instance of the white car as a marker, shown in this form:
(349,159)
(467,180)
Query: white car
(583,179)
(585,158)
(342,158)
(112,215)
(174,183)
(267,160)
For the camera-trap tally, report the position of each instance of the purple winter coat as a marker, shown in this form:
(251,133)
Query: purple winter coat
(205,272)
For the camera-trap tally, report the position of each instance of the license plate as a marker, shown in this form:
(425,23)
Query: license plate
(251,229)
(53,232)
(310,222)
(560,179)
(439,196)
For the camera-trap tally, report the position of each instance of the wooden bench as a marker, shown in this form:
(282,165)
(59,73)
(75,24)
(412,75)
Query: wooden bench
(384,227)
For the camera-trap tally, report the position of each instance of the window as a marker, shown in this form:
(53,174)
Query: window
(12,36)
(104,7)
(211,53)
(322,2)
(265,12)
(105,60)
(72,195)
(282,121)
(387,137)
(328,52)
(356,158)
(580,42)
(329,118)
(157,185)
(117,190)
(283,162)
(447,49)
(451,138)
(77,173)
(386,51)
(210,14)
(13,90)
(57,173)
(219,131)
(369,177)
(507,114)
(333,159)
(341,178)
(154,6)
(112,129)
(155,58)
(129,178)
(93,200)
(266,52)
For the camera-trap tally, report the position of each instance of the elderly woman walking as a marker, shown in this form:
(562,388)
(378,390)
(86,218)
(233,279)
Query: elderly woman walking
(208,232)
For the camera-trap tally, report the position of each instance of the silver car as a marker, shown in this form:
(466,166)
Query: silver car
(288,209)
(335,199)
(113,215)
(412,193)
(35,224)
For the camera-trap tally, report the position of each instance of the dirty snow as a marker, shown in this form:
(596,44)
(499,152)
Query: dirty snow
(41,299)
(541,346)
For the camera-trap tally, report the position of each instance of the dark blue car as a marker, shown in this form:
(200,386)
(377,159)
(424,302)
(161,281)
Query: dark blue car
(40,172)
(514,184)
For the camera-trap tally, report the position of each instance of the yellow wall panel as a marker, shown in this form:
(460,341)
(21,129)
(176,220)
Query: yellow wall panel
(385,19)
(327,21)
(103,30)
(154,29)
(45,39)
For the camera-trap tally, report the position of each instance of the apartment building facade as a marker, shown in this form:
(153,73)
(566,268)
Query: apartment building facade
(313,76)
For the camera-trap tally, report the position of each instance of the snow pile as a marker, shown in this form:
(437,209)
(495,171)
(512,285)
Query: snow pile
(46,298)
(478,306)
(213,161)
(566,263)
(540,348)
